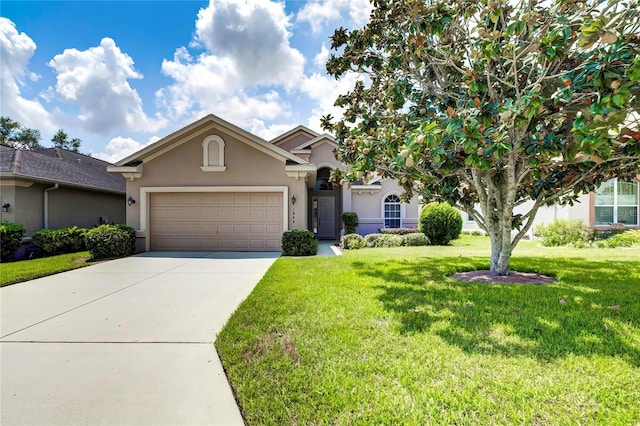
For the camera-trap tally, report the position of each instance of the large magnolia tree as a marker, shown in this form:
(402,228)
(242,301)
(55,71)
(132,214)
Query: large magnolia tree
(489,105)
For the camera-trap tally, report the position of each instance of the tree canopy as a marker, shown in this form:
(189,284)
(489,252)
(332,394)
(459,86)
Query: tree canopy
(491,104)
(17,136)
(61,140)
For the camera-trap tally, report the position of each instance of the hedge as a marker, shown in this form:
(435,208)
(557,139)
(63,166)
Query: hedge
(60,241)
(110,241)
(299,242)
(11,235)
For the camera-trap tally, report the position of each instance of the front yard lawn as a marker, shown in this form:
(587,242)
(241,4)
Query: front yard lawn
(16,272)
(383,336)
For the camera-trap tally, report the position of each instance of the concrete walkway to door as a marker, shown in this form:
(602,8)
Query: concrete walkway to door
(124,342)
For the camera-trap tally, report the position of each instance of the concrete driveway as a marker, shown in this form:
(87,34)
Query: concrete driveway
(128,342)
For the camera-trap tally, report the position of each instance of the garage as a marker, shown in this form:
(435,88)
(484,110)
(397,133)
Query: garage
(216,221)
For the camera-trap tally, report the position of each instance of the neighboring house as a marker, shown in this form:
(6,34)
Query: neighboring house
(614,205)
(214,186)
(55,188)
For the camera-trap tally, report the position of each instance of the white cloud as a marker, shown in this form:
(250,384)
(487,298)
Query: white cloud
(267,133)
(324,90)
(319,14)
(120,147)
(247,58)
(16,49)
(320,60)
(96,80)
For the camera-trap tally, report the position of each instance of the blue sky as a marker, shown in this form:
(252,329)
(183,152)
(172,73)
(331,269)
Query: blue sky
(121,74)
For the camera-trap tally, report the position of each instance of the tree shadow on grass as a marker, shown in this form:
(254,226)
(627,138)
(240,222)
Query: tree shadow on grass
(593,308)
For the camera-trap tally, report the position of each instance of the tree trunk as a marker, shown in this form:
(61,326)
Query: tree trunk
(500,256)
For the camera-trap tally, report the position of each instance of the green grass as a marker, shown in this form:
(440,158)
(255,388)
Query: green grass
(24,270)
(383,336)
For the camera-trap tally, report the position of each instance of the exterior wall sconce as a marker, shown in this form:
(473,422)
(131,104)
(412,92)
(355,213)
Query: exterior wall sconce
(293,199)
(5,207)
(130,201)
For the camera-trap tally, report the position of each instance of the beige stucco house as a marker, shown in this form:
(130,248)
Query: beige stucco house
(214,186)
(55,188)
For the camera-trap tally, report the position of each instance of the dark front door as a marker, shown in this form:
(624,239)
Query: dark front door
(326,217)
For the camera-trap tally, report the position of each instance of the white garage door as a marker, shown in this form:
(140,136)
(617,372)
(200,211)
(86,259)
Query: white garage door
(250,221)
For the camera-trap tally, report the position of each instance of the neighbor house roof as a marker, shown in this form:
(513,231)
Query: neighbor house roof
(56,165)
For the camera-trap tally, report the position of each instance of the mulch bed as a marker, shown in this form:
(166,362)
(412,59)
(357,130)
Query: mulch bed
(484,276)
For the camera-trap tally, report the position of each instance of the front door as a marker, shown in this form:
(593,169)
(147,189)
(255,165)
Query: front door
(324,212)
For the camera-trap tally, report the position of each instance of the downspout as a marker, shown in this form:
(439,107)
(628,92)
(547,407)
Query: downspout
(46,204)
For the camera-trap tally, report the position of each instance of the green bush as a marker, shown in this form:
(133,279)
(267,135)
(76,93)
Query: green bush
(623,239)
(352,242)
(398,231)
(415,239)
(109,241)
(383,240)
(350,220)
(11,235)
(441,223)
(562,232)
(299,242)
(60,241)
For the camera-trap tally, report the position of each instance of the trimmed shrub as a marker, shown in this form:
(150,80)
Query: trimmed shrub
(622,239)
(109,241)
(398,231)
(441,223)
(299,242)
(11,235)
(350,221)
(562,232)
(415,239)
(352,242)
(475,233)
(131,236)
(383,240)
(60,241)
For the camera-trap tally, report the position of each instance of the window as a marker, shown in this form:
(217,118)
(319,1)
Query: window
(392,209)
(616,201)
(323,180)
(213,154)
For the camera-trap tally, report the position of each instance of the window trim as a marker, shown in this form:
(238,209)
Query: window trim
(383,210)
(206,167)
(615,206)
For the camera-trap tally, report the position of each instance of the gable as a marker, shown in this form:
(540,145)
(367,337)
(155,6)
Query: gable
(202,128)
(183,164)
(294,138)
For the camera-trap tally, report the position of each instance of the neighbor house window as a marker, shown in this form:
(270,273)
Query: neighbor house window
(213,154)
(392,211)
(616,201)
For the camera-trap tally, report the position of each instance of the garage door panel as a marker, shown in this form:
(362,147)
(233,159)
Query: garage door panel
(241,199)
(257,214)
(273,228)
(274,215)
(274,200)
(241,229)
(258,228)
(211,221)
(241,214)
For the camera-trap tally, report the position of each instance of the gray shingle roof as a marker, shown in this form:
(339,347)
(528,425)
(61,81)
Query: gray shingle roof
(60,166)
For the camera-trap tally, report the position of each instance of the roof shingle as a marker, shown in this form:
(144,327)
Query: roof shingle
(57,165)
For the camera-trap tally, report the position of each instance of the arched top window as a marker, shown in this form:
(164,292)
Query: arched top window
(392,211)
(323,180)
(213,154)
